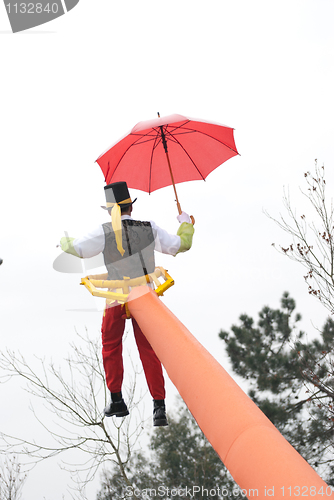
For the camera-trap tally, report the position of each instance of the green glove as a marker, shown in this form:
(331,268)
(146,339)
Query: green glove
(185,232)
(66,244)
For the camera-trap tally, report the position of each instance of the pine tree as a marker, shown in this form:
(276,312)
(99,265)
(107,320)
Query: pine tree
(291,381)
(180,458)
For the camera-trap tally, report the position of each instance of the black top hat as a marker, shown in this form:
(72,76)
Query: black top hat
(117,193)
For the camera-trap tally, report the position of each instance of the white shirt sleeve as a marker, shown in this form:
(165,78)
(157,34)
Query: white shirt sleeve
(165,242)
(91,244)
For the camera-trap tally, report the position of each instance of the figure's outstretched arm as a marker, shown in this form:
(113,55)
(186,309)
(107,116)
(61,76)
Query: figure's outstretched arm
(86,246)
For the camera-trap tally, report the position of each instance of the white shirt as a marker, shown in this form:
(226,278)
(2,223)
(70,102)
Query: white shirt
(93,242)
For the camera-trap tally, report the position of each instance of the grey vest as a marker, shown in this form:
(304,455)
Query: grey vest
(138,243)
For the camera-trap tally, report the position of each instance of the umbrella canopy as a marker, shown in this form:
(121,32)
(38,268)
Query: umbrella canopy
(167,150)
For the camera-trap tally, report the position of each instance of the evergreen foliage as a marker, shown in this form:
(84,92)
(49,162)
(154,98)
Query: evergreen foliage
(291,380)
(180,458)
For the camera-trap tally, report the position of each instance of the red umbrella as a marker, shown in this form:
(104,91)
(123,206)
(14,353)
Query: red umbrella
(167,150)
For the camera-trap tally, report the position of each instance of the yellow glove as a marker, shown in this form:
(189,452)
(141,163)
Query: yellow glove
(66,244)
(185,232)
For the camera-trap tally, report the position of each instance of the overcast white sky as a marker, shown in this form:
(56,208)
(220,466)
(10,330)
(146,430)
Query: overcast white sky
(72,87)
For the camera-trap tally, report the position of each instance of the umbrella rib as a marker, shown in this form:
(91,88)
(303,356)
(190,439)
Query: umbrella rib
(156,137)
(151,136)
(186,152)
(157,134)
(171,138)
(124,153)
(190,158)
(105,177)
(183,127)
(179,126)
(118,163)
(137,143)
(186,130)
(151,162)
(215,139)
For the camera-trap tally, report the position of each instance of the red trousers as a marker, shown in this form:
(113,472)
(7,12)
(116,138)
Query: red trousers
(113,326)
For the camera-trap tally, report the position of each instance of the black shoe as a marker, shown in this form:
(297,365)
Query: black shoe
(159,413)
(116,406)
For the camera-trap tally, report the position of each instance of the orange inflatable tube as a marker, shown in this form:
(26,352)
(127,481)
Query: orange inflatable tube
(259,458)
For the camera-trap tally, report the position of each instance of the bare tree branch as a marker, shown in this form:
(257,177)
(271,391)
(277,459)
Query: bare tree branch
(75,395)
(312,242)
(312,246)
(11,479)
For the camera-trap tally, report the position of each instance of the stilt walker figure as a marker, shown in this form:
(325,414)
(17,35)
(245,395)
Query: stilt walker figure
(128,247)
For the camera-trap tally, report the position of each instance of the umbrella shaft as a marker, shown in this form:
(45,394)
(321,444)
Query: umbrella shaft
(171,174)
(164,142)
